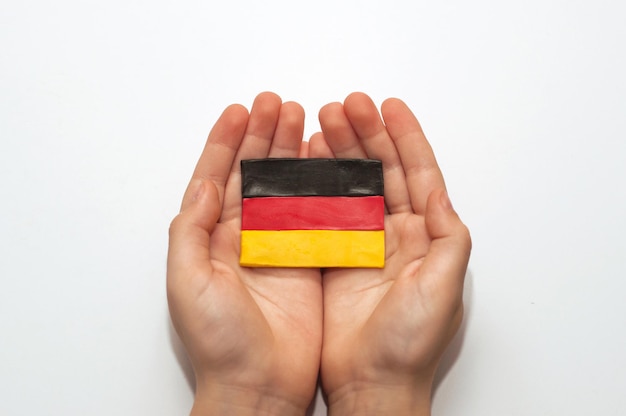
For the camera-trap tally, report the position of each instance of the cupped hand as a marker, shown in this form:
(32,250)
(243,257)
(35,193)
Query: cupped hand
(386,329)
(253,335)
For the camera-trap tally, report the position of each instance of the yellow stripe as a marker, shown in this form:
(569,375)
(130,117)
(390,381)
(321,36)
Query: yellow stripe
(312,248)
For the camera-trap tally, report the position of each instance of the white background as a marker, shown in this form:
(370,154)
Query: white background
(104,108)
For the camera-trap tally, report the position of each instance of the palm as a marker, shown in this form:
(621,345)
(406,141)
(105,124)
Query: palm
(363,305)
(270,318)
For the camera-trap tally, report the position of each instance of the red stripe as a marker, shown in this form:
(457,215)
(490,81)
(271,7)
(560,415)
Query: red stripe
(313,213)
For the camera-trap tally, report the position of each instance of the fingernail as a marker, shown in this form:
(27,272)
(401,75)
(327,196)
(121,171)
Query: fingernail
(445,201)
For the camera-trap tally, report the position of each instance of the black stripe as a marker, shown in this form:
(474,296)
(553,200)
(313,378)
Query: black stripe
(311,177)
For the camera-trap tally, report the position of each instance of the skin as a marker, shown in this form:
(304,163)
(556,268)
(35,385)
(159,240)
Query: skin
(254,336)
(386,329)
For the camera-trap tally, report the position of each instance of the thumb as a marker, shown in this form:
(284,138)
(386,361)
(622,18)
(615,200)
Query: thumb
(446,261)
(190,231)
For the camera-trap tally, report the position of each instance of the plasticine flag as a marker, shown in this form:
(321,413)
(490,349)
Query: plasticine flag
(312,213)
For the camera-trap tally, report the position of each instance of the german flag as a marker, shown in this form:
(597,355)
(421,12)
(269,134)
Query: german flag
(312,213)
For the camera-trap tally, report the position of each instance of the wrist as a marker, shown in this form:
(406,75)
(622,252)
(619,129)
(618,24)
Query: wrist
(366,399)
(236,401)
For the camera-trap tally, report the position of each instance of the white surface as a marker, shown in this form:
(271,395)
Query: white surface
(105,107)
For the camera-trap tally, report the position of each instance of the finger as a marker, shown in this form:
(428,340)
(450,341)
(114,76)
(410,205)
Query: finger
(261,127)
(366,122)
(303,153)
(338,132)
(289,131)
(318,148)
(217,157)
(418,160)
(443,271)
(190,231)
(256,144)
